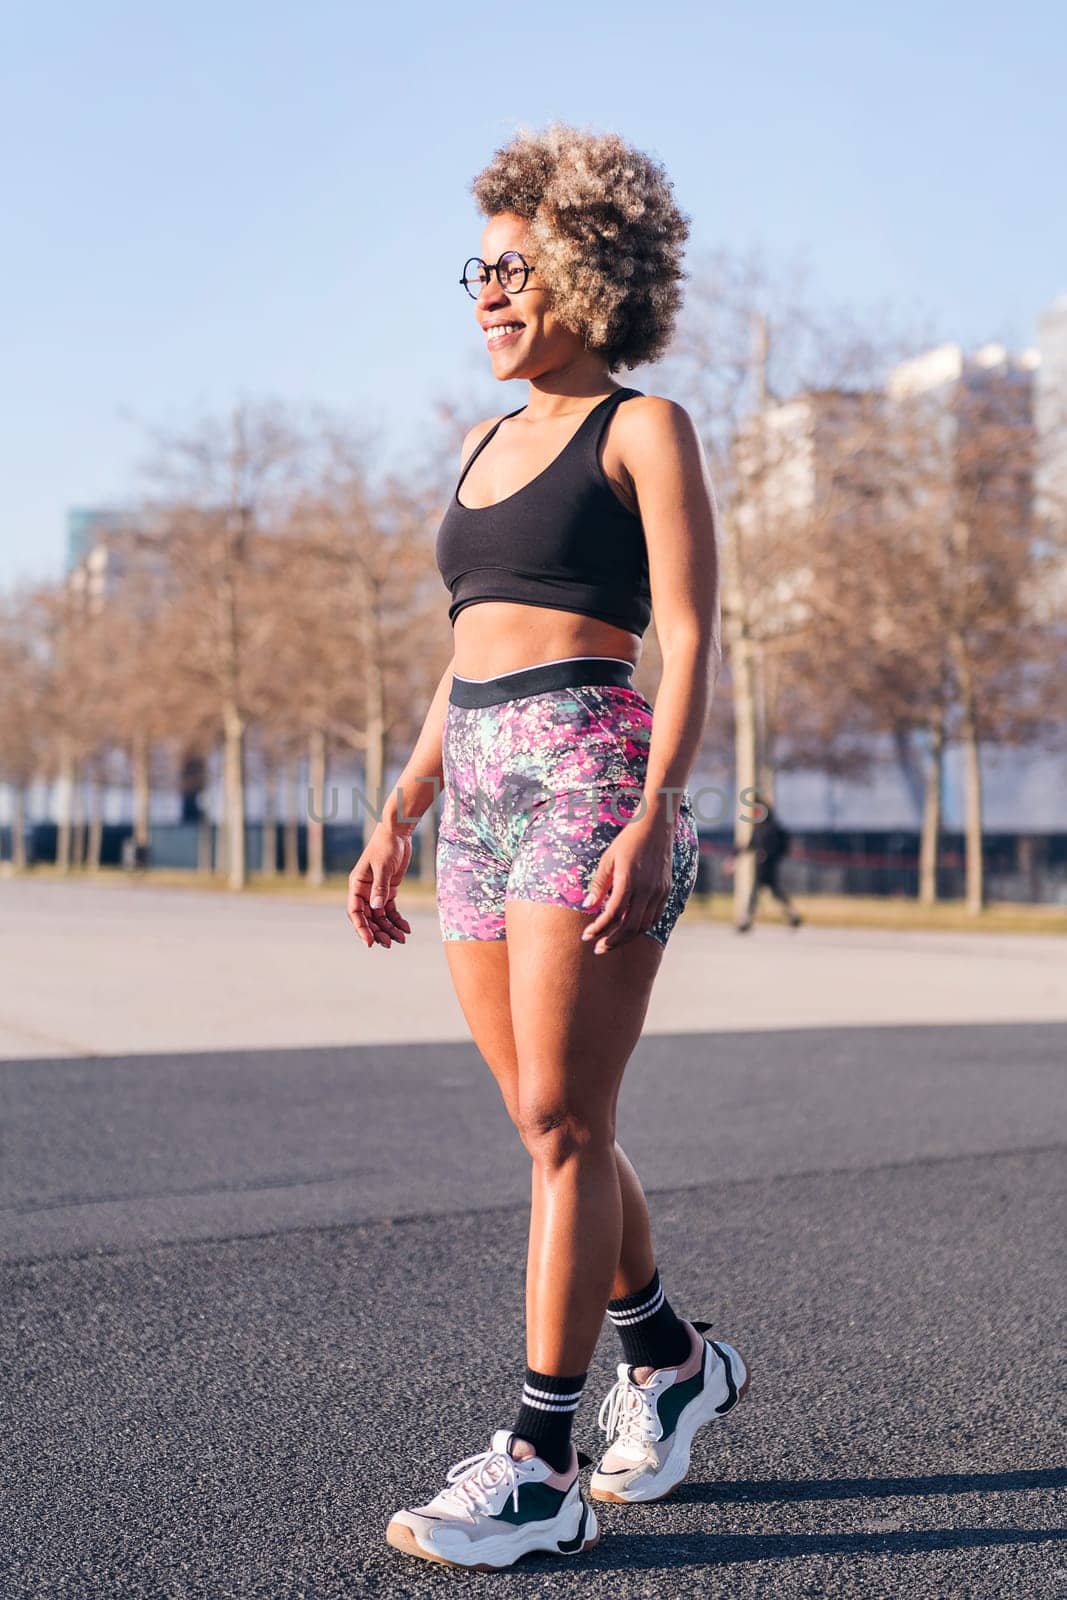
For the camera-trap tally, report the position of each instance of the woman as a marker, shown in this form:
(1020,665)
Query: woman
(567,846)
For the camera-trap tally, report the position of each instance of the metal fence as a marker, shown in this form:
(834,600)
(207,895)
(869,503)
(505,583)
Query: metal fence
(1023,868)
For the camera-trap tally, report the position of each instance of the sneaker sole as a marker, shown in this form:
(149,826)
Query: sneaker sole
(687,1431)
(403,1538)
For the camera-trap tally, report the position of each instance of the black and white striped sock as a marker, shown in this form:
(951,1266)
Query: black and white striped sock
(547,1413)
(652,1335)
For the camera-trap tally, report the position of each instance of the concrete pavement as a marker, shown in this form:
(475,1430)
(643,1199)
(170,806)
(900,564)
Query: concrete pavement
(94,970)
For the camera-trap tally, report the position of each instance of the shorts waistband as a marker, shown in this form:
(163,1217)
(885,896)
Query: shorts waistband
(569,673)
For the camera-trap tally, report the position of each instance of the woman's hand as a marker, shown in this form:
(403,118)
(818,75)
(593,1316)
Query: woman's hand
(632,881)
(372,886)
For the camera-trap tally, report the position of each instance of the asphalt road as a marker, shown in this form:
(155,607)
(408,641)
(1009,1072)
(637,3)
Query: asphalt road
(254,1301)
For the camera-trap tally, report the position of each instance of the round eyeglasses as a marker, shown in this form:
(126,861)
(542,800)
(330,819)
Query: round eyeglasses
(512,271)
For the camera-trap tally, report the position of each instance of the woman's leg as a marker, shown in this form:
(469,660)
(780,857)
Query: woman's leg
(576,1018)
(481,979)
(637,1261)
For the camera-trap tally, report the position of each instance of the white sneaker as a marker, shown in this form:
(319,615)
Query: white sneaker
(650,1426)
(495,1509)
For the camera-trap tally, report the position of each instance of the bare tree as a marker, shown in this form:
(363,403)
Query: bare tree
(966,567)
(374,641)
(69,706)
(221,488)
(754,364)
(997,650)
(23,688)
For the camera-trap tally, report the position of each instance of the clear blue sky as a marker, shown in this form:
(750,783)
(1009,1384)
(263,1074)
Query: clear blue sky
(201,201)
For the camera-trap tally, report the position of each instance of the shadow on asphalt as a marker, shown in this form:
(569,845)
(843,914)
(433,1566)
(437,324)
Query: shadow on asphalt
(765,1491)
(667,1550)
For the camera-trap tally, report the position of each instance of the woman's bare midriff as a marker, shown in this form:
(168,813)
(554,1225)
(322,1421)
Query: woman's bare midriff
(496,636)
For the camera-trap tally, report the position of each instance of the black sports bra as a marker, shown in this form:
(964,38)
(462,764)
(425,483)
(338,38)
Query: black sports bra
(564,540)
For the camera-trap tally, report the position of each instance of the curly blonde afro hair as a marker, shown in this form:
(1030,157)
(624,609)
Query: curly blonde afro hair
(604,230)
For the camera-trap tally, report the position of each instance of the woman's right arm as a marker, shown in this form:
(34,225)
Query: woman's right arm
(375,878)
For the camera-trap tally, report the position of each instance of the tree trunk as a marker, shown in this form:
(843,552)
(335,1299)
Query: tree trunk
(96,821)
(142,792)
(930,837)
(959,655)
(766,719)
(233,766)
(745,662)
(746,765)
(972,770)
(18,827)
(317,807)
(206,827)
(77,818)
(291,831)
(268,865)
(66,801)
(220,860)
(374,756)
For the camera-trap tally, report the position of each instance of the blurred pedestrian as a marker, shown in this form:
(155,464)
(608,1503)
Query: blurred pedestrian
(770,843)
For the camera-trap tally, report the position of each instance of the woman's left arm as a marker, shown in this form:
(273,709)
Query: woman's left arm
(662,452)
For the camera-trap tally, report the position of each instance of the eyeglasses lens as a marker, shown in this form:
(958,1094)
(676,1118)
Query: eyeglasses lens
(475,276)
(512,271)
(512,274)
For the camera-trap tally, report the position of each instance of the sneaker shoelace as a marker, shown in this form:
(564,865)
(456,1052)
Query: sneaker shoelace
(627,1414)
(476,1479)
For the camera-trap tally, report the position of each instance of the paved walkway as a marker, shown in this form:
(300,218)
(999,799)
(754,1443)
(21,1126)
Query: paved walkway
(94,970)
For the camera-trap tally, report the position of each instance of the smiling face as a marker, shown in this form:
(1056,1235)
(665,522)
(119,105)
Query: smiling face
(535,341)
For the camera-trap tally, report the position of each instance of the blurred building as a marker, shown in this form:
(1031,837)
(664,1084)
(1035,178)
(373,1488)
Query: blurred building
(96,558)
(807,448)
(88,527)
(1051,396)
(104,553)
(974,414)
(799,462)
(1050,415)
(106,561)
(948,371)
(971,408)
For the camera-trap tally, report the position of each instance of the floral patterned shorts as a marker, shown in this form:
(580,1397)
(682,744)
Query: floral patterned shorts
(541,773)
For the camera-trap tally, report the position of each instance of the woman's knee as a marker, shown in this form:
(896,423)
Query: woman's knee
(555,1133)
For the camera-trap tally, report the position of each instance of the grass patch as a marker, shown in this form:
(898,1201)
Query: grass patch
(894,912)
